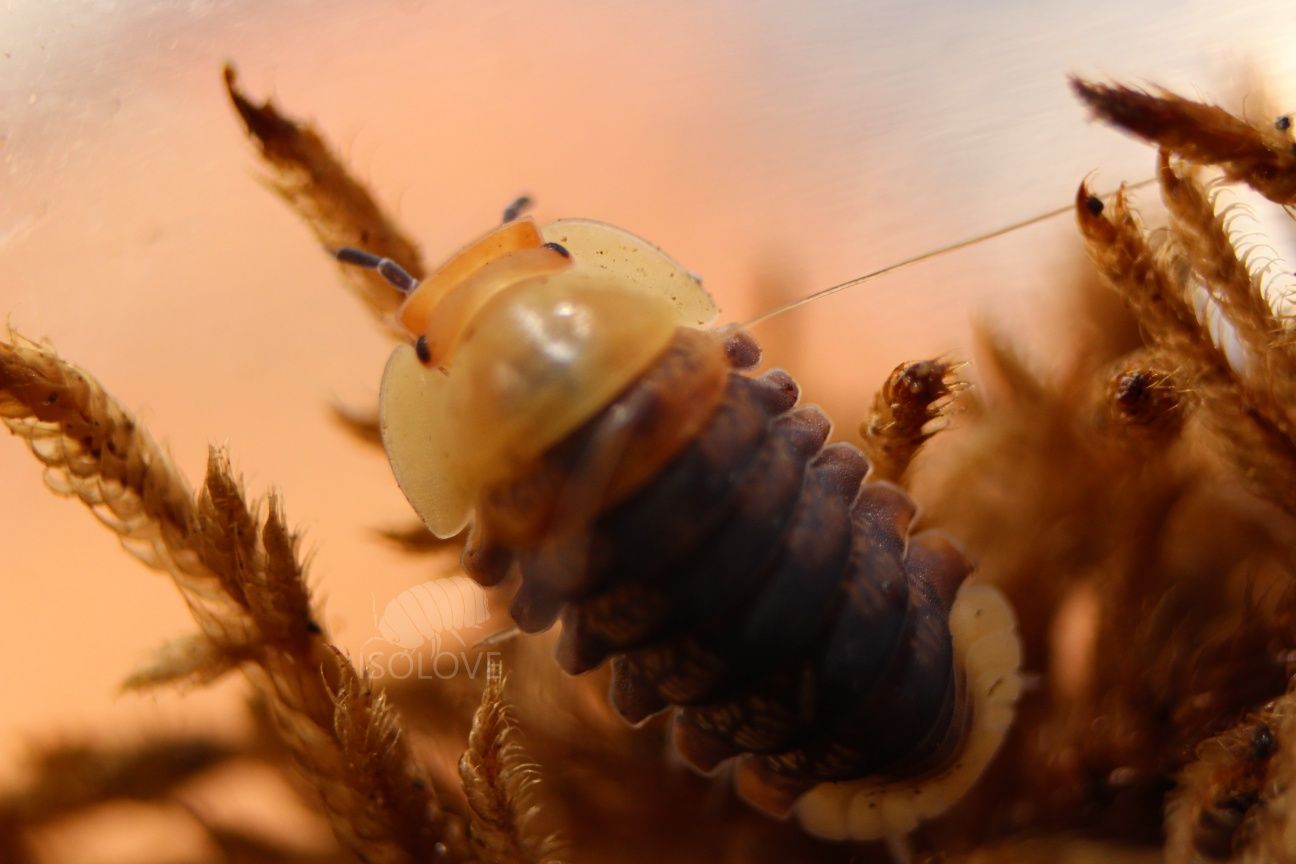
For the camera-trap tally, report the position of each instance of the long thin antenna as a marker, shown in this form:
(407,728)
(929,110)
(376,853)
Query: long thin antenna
(925,256)
(395,274)
(519,205)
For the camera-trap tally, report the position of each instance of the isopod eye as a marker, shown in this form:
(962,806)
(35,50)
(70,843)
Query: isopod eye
(632,263)
(414,425)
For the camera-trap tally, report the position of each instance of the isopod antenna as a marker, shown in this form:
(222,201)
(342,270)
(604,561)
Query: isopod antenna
(396,275)
(517,207)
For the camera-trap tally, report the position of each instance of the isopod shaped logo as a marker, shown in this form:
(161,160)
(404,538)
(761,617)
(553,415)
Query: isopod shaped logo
(424,613)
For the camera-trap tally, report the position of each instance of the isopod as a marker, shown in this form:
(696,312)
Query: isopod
(564,393)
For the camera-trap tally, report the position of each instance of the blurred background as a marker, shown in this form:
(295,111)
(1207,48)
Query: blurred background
(773,148)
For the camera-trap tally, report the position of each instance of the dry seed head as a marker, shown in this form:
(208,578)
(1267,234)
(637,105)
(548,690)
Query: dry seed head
(1249,428)
(914,395)
(1145,400)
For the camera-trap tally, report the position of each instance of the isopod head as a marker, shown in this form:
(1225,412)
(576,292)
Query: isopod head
(525,334)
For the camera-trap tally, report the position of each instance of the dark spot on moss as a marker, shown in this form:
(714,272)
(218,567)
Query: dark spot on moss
(1094,205)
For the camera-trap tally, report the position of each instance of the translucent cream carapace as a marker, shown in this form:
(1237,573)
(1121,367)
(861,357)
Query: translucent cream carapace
(524,334)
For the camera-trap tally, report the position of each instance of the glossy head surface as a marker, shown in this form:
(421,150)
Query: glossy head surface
(526,334)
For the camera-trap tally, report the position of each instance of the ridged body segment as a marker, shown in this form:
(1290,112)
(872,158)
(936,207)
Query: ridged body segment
(753,581)
(685,520)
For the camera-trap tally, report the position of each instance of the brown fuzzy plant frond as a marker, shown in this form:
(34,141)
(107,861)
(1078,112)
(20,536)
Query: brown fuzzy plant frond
(244,582)
(1206,134)
(1232,285)
(93,450)
(1058,849)
(1004,369)
(1144,400)
(190,659)
(72,776)
(338,208)
(498,779)
(1248,427)
(343,735)
(1225,792)
(900,422)
(1272,821)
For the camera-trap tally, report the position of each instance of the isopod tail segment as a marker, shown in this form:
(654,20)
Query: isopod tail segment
(685,520)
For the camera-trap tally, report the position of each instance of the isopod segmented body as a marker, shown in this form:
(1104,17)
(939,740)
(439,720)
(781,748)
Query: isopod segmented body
(684,519)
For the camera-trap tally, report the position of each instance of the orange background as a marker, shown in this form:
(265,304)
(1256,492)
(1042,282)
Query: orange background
(774,148)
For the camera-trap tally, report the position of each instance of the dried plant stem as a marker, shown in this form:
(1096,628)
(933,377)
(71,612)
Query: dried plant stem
(1206,134)
(1247,426)
(497,778)
(337,207)
(245,584)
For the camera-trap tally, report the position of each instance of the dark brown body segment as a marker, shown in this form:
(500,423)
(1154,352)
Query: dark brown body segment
(754,581)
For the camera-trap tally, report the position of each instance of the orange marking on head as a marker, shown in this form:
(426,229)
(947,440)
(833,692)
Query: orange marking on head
(416,314)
